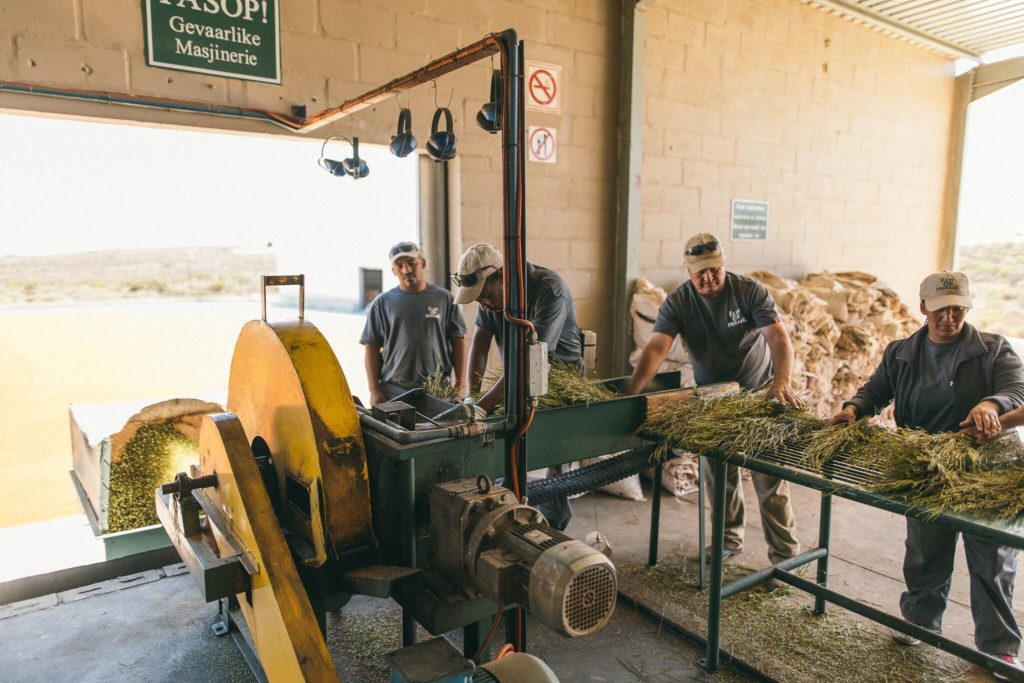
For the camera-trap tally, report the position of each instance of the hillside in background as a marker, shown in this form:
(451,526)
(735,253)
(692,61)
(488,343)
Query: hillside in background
(199,272)
(997,280)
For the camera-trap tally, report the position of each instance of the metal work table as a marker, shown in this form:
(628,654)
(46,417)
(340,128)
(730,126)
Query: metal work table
(844,480)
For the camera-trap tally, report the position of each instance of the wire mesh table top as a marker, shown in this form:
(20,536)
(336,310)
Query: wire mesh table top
(853,482)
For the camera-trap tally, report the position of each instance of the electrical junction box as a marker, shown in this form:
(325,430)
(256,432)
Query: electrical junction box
(537,369)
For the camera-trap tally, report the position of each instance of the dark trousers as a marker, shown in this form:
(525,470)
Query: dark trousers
(928,572)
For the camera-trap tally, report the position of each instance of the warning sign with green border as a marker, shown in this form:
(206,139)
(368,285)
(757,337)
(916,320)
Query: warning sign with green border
(232,38)
(749,220)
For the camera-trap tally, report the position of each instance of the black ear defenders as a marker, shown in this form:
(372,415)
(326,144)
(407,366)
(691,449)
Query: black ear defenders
(355,166)
(403,143)
(489,116)
(441,145)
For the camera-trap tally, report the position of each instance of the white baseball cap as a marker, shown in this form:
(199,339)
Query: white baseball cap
(404,250)
(478,263)
(703,250)
(946,288)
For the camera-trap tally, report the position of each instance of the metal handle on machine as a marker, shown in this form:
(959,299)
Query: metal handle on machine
(282,281)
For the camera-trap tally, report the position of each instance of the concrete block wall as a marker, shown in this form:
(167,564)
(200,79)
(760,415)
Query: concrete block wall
(844,131)
(333,50)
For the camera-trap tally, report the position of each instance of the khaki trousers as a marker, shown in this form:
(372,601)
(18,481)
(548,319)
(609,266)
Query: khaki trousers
(777,520)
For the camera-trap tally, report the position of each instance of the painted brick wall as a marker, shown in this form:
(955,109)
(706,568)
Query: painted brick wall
(841,129)
(334,50)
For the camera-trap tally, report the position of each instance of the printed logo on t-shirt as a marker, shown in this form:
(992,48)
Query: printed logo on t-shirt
(736,318)
(433,312)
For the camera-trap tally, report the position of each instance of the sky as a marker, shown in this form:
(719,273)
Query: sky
(71,186)
(993,169)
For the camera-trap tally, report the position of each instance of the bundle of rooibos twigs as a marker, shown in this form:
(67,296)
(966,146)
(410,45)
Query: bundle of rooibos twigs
(939,472)
(565,388)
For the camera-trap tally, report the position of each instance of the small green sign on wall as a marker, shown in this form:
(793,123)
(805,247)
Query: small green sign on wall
(233,38)
(749,220)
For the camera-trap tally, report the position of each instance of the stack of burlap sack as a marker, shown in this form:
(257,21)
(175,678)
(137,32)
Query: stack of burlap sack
(839,325)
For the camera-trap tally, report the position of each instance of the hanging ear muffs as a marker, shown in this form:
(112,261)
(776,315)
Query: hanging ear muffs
(355,166)
(489,116)
(441,145)
(332,166)
(403,143)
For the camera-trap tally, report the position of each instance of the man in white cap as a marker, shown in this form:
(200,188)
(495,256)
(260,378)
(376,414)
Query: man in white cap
(732,331)
(548,306)
(413,331)
(949,377)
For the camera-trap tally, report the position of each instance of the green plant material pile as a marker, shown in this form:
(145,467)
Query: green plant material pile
(565,388)
(739,423)
(777,633)
(940,472)
(440,385)
(154,454)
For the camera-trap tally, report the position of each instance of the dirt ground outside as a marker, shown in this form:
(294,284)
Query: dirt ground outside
(52,357)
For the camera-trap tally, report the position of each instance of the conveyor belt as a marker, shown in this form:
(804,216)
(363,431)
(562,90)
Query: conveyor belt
(591,477)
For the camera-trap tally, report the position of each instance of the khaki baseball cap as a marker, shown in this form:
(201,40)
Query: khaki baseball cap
(478,263)
(404,250)
(704,250)
(946,288)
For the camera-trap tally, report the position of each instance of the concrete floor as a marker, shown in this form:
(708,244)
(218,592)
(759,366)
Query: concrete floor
(155,627)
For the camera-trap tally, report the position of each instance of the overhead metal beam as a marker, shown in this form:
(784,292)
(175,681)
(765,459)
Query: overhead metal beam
(988,78)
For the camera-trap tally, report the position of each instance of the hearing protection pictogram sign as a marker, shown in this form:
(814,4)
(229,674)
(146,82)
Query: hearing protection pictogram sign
(542,142)
(543,87)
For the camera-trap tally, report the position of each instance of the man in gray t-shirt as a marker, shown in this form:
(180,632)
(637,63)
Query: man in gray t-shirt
(729,325)
(412,332)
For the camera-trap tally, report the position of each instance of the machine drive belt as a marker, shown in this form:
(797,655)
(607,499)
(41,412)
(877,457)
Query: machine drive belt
(591,477)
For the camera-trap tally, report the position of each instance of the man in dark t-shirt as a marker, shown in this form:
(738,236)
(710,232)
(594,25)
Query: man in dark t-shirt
(413,331)
(549,308)
(732,331)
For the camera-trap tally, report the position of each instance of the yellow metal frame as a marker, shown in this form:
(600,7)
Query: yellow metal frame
(287,388)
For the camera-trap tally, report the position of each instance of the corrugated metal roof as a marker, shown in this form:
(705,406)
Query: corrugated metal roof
(959,28)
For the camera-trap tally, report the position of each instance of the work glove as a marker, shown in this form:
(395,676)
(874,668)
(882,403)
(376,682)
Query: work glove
(473,410)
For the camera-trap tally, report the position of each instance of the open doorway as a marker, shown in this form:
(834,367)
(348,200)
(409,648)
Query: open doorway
(130,258)
(990,235)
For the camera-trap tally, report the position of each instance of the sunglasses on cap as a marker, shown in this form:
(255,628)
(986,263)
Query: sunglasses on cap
(470,279)
(701,249)
(402,248)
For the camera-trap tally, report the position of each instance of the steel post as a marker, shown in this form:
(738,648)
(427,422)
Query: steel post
(710,662)
(701,528)
(652,548)
(824,534)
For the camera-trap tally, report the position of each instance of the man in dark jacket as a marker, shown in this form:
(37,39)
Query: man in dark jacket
(946,377)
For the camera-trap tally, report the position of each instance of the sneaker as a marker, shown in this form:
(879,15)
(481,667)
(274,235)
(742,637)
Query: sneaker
(727,554)
(906,638)
(1009,659)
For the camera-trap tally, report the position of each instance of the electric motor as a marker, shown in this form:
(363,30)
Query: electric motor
(488,544)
